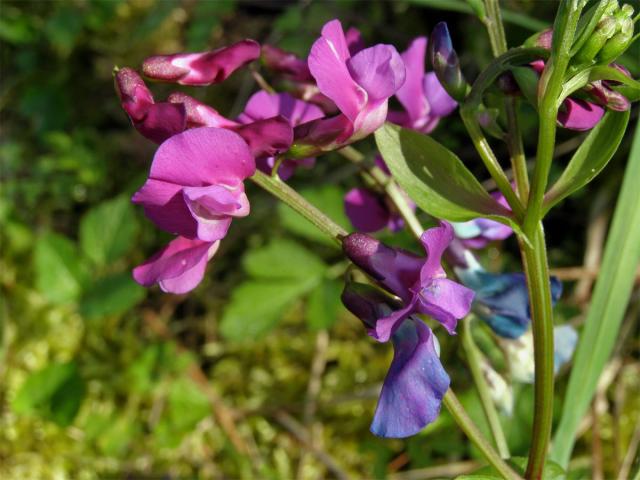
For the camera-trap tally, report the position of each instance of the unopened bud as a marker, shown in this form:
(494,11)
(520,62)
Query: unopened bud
(618,44)
(445,62)
(606,29)
(366,302)
(202,68)
(607,97)
(488,120)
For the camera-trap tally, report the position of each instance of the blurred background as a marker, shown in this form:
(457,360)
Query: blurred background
(258,373)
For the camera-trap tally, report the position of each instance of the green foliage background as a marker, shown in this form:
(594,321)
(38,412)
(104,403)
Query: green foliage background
(102,378)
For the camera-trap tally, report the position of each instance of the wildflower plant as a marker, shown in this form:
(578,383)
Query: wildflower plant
(339,95)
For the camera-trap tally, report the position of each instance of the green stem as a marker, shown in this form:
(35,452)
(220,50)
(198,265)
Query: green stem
(550,88)
(475,359)
(288,195)
(466,424)
(495,28)
(536,269)
(491,162)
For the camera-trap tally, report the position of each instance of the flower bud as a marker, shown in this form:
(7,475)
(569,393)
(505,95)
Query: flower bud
(606,28)
(488,120)
(133,92)
(445,62)
(202,68)
(618,44)
(607,97)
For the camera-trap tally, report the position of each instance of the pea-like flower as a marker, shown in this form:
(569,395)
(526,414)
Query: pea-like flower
(203,68)
(420,283)
(195,185)
(359,84)
(423,97)
(155,121)
(262,106)
(413,388)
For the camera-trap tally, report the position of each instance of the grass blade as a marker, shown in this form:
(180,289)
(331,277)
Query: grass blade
(608,305)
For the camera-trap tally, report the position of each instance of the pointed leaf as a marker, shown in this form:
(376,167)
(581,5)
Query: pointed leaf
(590,158)
(434,177)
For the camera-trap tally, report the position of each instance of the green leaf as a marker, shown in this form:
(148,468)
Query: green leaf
(323,304)
(111,295)
(590,158)
(55,393)
(256,307)
(552,471)
(59,271)
(434,177)
(329,199)
(108,231)
(608,304)
(283,259)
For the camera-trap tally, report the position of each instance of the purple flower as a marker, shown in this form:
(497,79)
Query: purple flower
(420,283)
(155,121)
(360,85)
(479,232)
(423,97)
(413,388)
(263,105)
(179,267)
(195,185)
(580,115)
(202,68)
(286,63)
(446,65)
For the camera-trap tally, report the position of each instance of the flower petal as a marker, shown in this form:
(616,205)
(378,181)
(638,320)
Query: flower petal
(412,95)
(435,241)
(163,203)
(268,137)
(579,115)
(379,70)
(446,301)
(440,102)
(203,156)
(365,210)
(327,63)
(202,68)
(565,339)
(179,267)
(200,114)
(263,105)
(414,386)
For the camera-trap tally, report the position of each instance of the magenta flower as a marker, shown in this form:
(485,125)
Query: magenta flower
(420,283)
(263,105)
(195,185)
(155,121)
(202,68)
(416,382)
(360,85)
(479,232)
(179,267)
(423,97)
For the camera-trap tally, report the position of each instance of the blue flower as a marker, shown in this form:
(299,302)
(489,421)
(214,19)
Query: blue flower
(416,381)
(502,300)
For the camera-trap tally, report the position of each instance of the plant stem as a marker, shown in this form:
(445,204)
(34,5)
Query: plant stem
(537,272)
(495,28)
(491,162)
(288,195)
(475,360)
(466,424)
(550,89)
